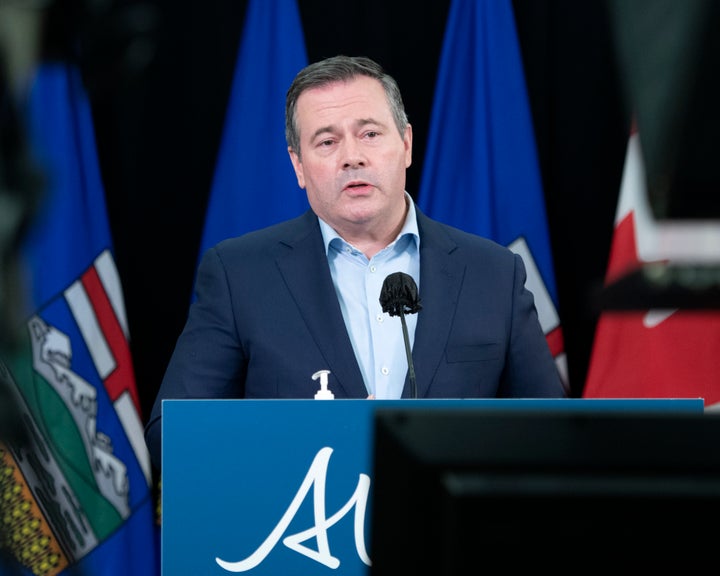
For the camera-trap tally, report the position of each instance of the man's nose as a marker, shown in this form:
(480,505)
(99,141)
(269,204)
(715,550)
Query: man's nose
(353,156)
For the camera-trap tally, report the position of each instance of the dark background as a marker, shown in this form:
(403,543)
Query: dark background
(159,76)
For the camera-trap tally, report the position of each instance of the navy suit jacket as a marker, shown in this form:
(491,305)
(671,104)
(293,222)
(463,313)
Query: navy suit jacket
(266,318)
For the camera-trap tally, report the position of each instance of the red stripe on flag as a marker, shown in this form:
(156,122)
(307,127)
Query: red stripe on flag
(122,378)
(555,341)
(623,251)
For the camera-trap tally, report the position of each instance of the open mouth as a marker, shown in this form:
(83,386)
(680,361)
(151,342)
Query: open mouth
(357,185)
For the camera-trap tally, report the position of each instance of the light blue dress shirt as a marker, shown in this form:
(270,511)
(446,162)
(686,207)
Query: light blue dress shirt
(377,337)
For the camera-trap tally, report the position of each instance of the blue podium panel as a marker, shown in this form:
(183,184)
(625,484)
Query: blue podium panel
(283,487)
(270,487)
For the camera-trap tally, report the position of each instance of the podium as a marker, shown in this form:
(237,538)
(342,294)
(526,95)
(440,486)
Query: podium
(269,487)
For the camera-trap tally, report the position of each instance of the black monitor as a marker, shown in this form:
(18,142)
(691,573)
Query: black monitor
(668,54)
(506,492)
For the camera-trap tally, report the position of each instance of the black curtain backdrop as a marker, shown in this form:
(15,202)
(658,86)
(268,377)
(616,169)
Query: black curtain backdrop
(159,88)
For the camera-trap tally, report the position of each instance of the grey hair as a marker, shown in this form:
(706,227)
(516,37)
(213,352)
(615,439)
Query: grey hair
(340,69)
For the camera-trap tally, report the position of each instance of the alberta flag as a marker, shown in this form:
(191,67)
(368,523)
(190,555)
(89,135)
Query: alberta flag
(77,486)
(254,184)
(653,353)
(481,171)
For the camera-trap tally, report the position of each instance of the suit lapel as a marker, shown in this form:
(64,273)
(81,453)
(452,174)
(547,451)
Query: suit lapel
(440,280)
(307,275)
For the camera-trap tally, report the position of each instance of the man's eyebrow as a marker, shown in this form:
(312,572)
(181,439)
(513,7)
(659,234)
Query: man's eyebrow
(366,121)
(332,129)
(323,130)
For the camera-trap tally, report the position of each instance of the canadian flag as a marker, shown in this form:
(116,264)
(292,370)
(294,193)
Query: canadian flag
(655,353)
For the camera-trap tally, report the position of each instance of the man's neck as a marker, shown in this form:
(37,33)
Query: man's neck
(370,242)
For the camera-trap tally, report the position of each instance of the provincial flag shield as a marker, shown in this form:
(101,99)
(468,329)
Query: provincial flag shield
(77,479)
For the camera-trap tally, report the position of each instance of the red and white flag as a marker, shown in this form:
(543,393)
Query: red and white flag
(654,353)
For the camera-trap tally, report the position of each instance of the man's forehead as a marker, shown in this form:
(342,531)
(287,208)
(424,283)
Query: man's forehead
(358,102)
(358,90)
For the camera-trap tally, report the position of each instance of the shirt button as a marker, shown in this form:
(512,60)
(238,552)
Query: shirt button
(379,318)
(385,370)
(373,268)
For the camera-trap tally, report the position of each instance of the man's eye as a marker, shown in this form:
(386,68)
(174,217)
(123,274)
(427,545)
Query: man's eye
(372,134)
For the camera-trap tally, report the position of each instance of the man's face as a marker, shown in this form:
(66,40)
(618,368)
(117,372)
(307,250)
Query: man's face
(353,158)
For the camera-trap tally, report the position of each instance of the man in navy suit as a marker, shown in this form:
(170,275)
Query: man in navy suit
(277,306)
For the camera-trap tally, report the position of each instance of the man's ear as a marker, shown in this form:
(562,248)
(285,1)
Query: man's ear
(408,139)
(297,166)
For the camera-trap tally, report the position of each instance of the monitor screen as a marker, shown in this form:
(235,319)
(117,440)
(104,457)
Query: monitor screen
(489,491)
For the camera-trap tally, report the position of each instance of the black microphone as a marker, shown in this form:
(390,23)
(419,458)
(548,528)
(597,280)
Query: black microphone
(399,296)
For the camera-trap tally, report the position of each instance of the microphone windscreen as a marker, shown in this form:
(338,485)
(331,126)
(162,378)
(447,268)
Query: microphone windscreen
(399,294)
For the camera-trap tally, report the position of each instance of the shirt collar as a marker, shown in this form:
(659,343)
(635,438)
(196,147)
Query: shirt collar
(409,227)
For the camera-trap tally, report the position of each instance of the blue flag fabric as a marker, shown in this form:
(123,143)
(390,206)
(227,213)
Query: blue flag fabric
(80,480)
(254,184)
(481,171)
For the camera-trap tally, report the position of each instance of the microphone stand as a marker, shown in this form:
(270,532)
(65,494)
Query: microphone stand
(411,368)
